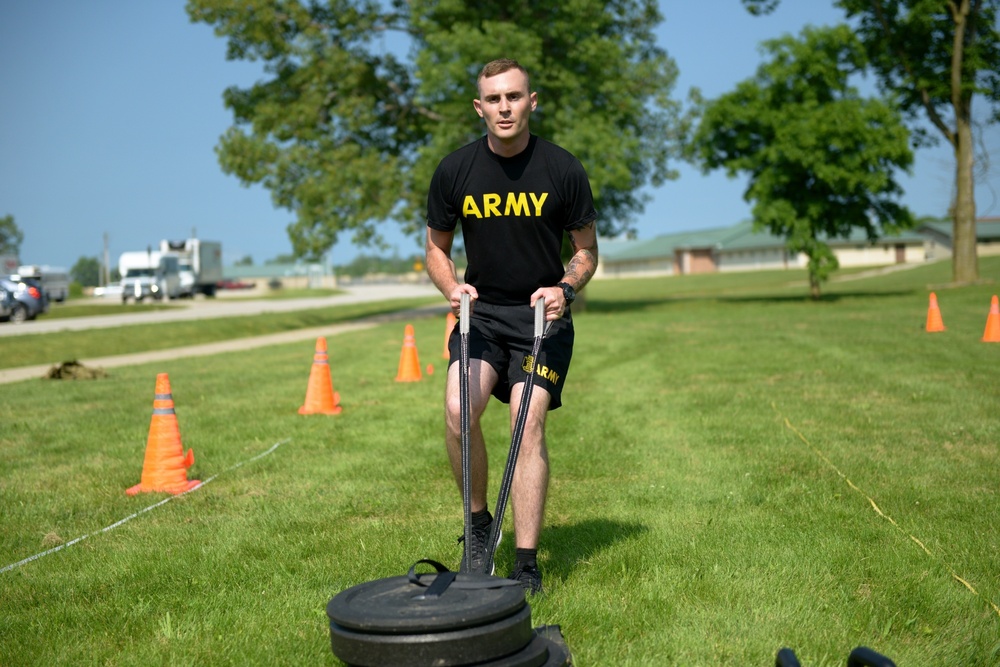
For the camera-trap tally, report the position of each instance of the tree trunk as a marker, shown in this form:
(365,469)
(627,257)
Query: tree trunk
(814,287)
(965,263)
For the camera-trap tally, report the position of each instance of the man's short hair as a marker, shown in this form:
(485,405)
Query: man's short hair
(500,66)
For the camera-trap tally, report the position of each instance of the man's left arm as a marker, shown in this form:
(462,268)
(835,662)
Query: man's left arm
(578,273)
(583,263)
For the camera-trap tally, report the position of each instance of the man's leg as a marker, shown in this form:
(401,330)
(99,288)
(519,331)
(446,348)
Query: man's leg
(531,483)
(482,378)
(531,476)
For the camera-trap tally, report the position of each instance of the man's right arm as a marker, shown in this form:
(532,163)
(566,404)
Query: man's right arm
(441,268)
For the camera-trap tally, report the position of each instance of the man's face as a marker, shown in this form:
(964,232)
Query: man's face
(506,105)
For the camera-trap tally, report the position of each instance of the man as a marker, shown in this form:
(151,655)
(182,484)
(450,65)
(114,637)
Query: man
(515,195)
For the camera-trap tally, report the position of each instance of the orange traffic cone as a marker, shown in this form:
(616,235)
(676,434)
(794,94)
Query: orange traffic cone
(321,399)
(409,363)
(992,333)
(449,326)
(934,321)
(165,466)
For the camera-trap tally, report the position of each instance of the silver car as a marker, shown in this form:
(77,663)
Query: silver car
(26,296)
(7,304)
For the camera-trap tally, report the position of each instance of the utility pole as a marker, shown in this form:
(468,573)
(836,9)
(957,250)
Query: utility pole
(105,277)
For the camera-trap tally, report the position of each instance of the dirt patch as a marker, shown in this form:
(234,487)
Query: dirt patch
(51,540)
(74,370)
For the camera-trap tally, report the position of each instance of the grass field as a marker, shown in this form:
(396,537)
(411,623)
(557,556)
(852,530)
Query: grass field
(737,469)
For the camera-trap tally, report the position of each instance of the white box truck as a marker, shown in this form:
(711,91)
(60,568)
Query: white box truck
(200,264)
(147,273)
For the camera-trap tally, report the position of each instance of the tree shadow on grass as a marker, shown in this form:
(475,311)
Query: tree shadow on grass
(824,298)
(609,306)
(568,545)
(626,306)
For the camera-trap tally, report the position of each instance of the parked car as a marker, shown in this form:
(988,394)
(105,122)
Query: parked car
(234,284)
(114,290)
(28,295)
(10,307)
(53,280)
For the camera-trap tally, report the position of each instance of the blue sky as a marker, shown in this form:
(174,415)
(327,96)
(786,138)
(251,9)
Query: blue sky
(111,109)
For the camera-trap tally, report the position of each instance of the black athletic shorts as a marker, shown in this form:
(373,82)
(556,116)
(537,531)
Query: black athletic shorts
(502,336)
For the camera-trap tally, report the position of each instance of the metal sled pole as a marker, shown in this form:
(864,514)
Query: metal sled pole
(515,437)
(463,387)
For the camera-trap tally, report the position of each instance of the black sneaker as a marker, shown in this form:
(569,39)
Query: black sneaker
(480,536)
(530,578)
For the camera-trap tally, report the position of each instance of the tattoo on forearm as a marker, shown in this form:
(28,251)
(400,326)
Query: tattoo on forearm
(582,265)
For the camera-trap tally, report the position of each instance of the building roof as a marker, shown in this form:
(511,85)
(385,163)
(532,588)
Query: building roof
(659,246)
(987,229)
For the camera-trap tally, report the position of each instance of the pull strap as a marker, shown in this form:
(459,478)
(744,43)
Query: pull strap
(441,583)
(446,578)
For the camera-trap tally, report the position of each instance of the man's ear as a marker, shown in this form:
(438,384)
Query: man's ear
(479,107)
(534,100)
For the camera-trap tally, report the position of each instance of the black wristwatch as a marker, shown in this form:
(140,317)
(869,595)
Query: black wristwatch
(568,292)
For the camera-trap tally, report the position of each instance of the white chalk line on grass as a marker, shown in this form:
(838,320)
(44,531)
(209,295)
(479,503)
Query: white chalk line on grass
(142,511)
(882,514)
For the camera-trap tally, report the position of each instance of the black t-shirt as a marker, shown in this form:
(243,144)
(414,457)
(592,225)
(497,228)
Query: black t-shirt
(513,211)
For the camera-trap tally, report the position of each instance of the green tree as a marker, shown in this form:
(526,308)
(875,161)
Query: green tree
(246,260)
(11,236)
(819,156)
(363,265)
(281,259)
(346,134)
(935,58)
(86,271)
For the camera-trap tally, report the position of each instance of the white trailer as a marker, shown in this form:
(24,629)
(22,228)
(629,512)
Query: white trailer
(200,264)
(54,280)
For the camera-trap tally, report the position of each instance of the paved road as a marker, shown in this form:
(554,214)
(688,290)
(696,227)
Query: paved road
(223,308)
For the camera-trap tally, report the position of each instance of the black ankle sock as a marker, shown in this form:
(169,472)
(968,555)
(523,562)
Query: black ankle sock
(527,557)
(481,518)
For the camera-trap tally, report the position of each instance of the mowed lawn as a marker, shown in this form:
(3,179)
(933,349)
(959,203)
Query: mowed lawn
(736,469)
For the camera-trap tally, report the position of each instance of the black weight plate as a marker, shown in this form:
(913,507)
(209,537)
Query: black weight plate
(544,650)
(535,654)
(435,649)
(391,606)
(559,654)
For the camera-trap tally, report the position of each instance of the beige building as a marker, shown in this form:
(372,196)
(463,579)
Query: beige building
(939,235)
(740,248)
